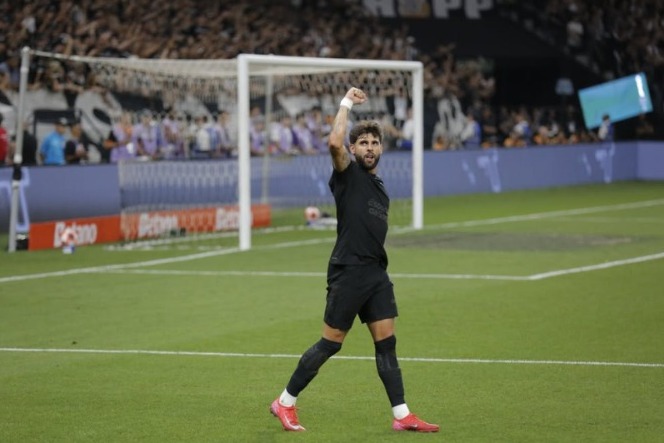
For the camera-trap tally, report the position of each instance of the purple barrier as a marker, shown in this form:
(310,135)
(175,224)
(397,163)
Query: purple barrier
(64,192)
(651,161)
(497,170)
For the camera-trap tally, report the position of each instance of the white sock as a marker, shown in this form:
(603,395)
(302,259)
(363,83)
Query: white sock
(286,399)
(400,411)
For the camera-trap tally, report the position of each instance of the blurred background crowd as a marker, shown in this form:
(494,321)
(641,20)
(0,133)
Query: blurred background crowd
(608,39)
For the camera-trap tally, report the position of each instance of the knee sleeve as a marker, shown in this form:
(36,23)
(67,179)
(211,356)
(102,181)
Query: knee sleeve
(310,363)
(319,353)
(386,354)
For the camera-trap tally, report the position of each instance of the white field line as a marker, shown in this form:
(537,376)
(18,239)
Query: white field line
(155,262)
(337,357)
(639,220)
(109,268)
(491,221)
(307,274)
(532,277)
(550,214)
(606,265)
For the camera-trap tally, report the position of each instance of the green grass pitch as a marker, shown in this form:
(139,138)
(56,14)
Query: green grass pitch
(530,316)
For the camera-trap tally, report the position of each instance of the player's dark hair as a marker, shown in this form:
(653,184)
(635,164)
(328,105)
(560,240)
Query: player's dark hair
(365,127)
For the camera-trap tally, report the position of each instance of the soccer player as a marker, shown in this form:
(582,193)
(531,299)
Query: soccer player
(357,280)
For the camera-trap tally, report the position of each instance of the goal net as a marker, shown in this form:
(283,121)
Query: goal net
(241,144)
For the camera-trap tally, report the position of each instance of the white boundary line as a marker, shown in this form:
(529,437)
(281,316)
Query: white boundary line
(127,269)
(611,264)
(491,221)
(551,214)
(306,274)
(532,277)
(338,357)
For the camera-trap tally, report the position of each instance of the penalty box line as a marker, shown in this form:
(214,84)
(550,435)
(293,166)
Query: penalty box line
(397,275)
(134,268)
(336,357)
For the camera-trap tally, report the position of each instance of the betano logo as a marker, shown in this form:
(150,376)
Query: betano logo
(154,225)
(227,219)
(85,234)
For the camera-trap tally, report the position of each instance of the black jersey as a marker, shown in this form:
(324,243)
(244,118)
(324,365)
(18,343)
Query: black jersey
(362,206)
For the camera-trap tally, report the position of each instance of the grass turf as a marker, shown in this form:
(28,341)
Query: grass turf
(487,351)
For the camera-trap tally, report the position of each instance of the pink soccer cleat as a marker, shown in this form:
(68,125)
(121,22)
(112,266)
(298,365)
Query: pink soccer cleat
(287,415)
(412,423)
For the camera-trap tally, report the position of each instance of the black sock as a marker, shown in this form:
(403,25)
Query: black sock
(310,363)
(389,371)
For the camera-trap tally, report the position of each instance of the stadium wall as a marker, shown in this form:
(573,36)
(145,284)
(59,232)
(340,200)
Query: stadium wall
(66,192)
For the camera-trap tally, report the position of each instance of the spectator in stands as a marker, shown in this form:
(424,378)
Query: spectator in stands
(77,147)
(315,123)
(223,143)
(440,137)
(572,125)
(399,105)
(170,134)
(10,72)
(51,76)
(281,136)
(407,132)
(471,135)
(506,121)
(304,139)
(605,130)
(390,132)
(541,136)
(119,140)
(514,140)
(52,149)
(489,127)
(257,139)
(202,143)
(522,126)
(146,136)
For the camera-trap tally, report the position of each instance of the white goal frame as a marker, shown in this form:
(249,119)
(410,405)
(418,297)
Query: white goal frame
(243,68)
(245,64)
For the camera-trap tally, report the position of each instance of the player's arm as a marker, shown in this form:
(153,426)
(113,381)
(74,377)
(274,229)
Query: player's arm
(340,158)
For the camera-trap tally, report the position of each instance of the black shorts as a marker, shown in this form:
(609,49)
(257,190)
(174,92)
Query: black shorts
(363,290)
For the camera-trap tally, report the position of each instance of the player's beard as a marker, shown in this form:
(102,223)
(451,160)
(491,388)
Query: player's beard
(363,164)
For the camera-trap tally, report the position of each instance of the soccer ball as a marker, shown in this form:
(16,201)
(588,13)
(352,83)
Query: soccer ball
(311,213)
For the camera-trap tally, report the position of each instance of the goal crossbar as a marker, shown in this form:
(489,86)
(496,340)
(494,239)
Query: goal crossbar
(247,63)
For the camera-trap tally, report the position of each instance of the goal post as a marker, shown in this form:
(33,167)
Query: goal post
(253,64)
(236,86)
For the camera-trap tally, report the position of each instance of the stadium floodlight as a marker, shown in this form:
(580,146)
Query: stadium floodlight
(279,85)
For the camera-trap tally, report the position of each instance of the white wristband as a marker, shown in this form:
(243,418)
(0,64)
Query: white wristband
(346,103)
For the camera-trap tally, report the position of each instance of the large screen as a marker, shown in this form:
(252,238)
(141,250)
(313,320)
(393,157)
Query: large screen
(621,99)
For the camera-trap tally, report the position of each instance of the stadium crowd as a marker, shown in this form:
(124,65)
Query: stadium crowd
(613,38)
(191,29)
